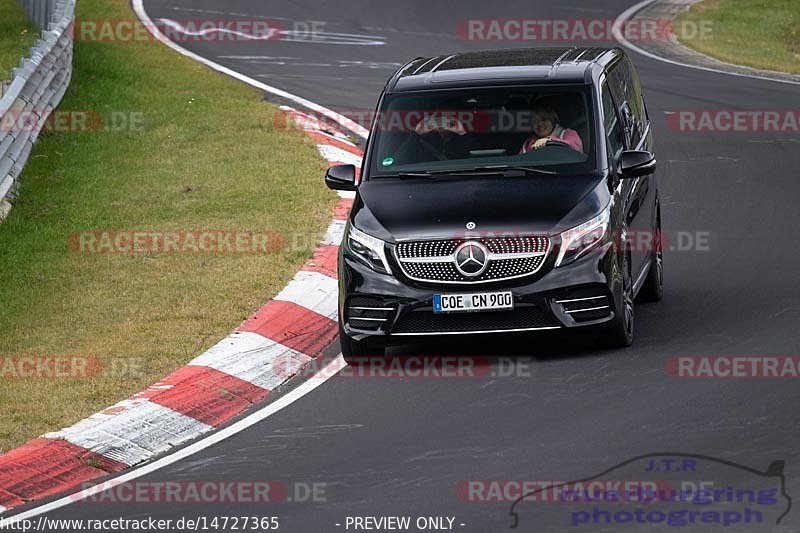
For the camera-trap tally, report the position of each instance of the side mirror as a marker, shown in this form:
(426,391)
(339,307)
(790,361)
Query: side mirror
(636,163)
(341,178)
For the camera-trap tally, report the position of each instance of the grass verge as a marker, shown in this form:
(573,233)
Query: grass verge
(764,34)
(17,34)
(208,156)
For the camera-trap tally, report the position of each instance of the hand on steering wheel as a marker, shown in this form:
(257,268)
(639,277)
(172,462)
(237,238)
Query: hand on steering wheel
(547,141)
(556,142)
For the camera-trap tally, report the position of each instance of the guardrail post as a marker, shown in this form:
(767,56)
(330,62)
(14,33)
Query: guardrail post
(35,89)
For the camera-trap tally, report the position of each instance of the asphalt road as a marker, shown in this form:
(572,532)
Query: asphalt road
(401,446)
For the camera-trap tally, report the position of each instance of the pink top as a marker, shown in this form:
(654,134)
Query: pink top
(568,136)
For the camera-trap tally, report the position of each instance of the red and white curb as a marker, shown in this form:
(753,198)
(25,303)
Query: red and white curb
(291,329)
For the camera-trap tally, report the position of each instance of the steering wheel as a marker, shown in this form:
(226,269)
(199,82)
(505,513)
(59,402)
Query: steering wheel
(556,142)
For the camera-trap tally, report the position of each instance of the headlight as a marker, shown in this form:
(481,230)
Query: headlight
(577,241)
(368,249)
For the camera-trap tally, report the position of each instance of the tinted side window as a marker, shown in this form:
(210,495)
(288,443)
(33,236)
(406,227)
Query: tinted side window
(633,92)
(616,84)
(612,125)
(625,87)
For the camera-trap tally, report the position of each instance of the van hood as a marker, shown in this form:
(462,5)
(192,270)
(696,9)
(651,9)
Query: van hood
(394,209)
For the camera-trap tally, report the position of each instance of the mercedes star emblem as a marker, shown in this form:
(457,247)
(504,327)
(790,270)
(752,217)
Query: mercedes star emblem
(471,258)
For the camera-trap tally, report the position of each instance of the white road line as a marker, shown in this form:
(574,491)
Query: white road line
(194,10)
(138,8)
(309,77)
(370,64)
(268,410)
(626,15)
(231,13)
(266,60)
(272,34)
(274,58)
(324,37)
(297,61)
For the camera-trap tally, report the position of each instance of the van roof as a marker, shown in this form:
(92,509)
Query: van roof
(491,67)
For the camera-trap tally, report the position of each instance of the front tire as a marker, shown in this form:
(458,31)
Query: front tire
(354,351)
(653,287)
(620,333)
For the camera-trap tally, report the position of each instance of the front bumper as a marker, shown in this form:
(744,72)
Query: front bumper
(393,310)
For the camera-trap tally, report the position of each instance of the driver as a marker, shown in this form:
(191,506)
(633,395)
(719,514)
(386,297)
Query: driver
(546,128)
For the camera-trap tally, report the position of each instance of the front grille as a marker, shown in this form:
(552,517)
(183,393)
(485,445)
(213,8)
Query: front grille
(509,257)
(423,320)
(369,313)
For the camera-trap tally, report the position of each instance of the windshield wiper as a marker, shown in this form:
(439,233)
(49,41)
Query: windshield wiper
(401,175)
(488,169)
(430,174)
(530,170)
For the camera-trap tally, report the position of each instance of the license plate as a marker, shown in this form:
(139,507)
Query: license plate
(465,303)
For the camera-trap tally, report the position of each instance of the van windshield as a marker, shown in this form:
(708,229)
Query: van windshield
(544,128)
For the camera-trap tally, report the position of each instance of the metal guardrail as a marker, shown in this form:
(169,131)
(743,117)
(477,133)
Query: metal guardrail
(39,11)
(35,89)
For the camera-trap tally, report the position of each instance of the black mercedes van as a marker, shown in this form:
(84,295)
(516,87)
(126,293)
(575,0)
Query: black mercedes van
(502,191)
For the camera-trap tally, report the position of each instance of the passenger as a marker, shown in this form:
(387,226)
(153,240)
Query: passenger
(546,128)
(438,137)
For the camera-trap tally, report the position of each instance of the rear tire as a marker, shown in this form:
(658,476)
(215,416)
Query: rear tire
(653,287)
(620,333)
(354,351)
